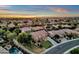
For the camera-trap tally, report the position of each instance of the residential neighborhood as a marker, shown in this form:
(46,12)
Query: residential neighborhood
(18,37)
(39,29)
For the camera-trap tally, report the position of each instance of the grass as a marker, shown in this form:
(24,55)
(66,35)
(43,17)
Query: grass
(46,44)
(75,51)
(35,49)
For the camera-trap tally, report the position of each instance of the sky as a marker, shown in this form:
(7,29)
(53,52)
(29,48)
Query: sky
(40,10)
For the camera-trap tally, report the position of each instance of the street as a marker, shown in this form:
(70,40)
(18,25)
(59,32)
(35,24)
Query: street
(60,49)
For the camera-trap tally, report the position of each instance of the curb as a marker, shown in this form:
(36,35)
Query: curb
(67,52)
(58,44)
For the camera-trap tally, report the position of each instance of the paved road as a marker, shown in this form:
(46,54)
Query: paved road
(60,49)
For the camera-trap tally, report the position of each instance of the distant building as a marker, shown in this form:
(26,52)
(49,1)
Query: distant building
(37,28)
(25,29)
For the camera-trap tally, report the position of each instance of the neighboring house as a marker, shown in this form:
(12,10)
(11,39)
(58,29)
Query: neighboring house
(58,32)
(62,33)
(8,46)
(3,51)
(24,29)
(11,25)
(77,29)
(39,36)
(37,28)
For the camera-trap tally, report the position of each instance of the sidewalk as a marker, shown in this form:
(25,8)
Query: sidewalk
(22,47)
(52,41)
(67,52)
(58,45)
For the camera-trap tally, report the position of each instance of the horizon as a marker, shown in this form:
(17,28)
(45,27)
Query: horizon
(40,10)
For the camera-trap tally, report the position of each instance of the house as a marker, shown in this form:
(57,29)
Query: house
(77,29)
(7,47)
(58,32)
(37,28)
(11,25)
(39,35)
(24,29)
(3,51)
(62,33)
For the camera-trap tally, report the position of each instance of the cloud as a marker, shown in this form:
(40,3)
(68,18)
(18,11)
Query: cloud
(63,10)
(4,6)
(59,10)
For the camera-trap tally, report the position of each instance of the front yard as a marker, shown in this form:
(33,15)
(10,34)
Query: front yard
(46,44)
(36,49)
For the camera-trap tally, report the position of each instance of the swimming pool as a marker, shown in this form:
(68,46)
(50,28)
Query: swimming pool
(14,50)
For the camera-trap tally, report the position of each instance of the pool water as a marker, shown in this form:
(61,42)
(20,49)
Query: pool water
(14,50)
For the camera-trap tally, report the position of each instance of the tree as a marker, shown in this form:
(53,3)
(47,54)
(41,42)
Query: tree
(24,38)
(70,36)
(7,24)
(75,51)
(4,28)
(2,32)
(56,36)
(11,35)
(17,30)
(1,22)
(60,27)
(15,23)
(12,29)
(48,27)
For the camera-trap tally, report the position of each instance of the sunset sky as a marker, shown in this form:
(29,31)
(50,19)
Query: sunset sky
(40,10)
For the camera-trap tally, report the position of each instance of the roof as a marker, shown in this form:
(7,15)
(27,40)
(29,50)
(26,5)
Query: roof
(3,51)
(39,35)
(25,29)
(62,32)
(37,28)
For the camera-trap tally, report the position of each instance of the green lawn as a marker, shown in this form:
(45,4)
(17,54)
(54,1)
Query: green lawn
(75,51)
(46,44)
